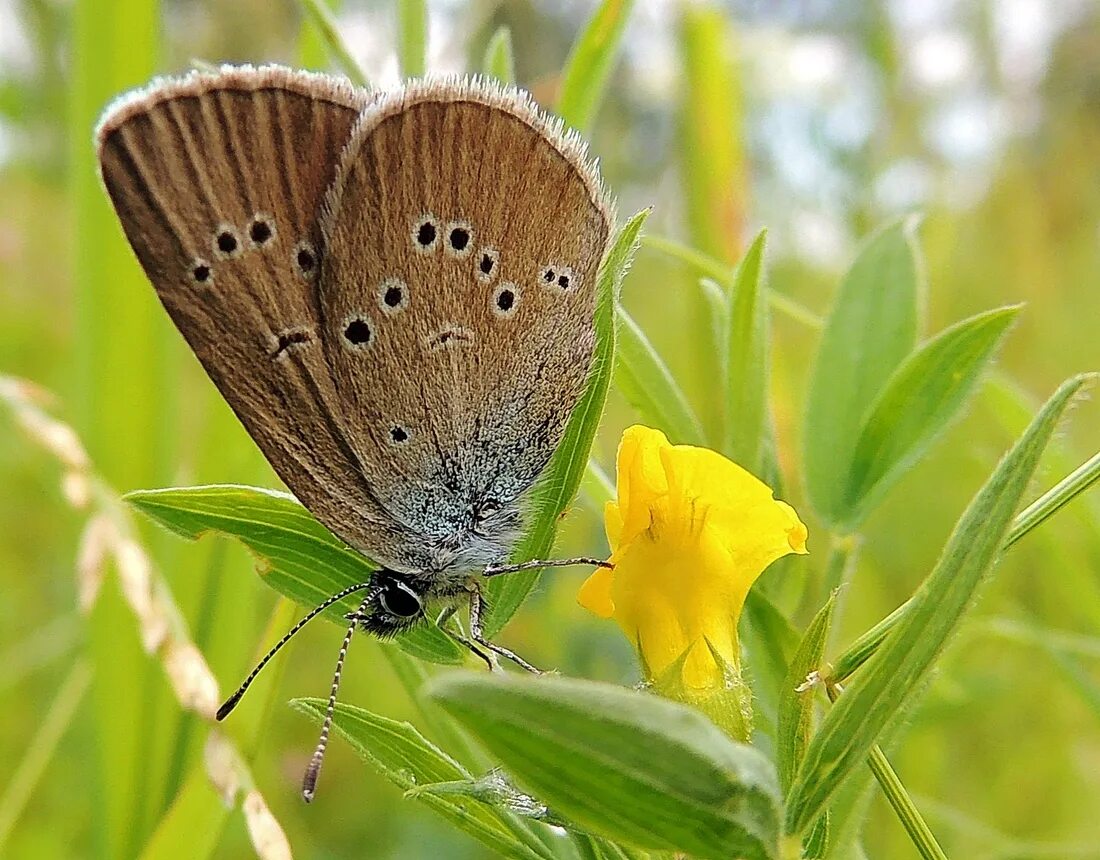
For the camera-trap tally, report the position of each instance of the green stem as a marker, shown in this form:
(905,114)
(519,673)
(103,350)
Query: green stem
(1037,512)
(903,805)
(898,797)
(1071,486)
(723,274)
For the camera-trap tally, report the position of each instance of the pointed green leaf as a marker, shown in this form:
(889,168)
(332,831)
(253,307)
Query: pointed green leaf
(796,705)
(650,387)
(769,641)
(627,765)
(562,477)
(499,61)
(298,556)
(889,680)
(584,79)
(917,403)
(407,759)
(870,330)
(746,342)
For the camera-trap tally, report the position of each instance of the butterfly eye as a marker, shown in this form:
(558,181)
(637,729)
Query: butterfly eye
(401,601)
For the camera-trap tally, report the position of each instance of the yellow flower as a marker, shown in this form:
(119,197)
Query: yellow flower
(690,532)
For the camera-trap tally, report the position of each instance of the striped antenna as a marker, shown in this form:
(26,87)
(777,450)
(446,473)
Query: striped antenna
(309,782)
(231,702)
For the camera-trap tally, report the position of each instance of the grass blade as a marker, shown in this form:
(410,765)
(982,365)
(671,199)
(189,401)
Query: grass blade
(895,673)
(626,765)
(870,330)
(648,385)
(412,37)
(917,403)
(499,61)
(322,19)
(563,476)
(586,72)
(125,354)
(41,748)
(713,164)
(301,559)
(313,53)
(746,351)
(408,760)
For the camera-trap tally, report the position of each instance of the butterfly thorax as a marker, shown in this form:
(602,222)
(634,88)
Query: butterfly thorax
(441,564)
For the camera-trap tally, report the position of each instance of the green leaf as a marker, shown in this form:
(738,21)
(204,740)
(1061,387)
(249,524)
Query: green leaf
(408,760)
(796,707)
(584,79)
(870,330)
(591,847)
(891,678)
(563,475)
(412,37)
(746,345)
(650,387)
(917,403)
(499,61)
(623,764)
(817,841)
(769,641)
(298,556)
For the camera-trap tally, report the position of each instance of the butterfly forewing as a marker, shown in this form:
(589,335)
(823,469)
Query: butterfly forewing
(464,234)
(395,296)
(218,180)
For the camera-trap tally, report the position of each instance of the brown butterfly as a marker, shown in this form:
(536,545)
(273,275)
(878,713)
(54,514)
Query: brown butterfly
(394,291)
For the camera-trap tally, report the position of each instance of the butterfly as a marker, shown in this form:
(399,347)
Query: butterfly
(394,291)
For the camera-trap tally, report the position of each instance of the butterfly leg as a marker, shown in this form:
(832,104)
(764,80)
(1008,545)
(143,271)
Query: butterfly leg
(476,604)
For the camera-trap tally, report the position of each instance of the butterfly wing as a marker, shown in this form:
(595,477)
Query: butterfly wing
(218,180)
(464,233)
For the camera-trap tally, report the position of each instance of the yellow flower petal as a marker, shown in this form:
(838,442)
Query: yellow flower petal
(690,532)
(595,593)
(641,478)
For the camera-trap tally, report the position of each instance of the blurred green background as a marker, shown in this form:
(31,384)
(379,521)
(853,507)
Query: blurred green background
(819,121)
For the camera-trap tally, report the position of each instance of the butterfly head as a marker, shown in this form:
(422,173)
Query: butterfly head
(398,604)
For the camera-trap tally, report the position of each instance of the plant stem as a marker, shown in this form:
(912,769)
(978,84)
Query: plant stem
(903,805)
(898,797)
(1067,489)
